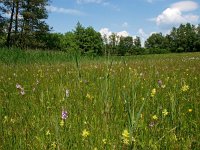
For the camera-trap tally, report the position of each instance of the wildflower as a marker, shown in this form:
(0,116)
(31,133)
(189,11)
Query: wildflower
(165,112)
(126,141)
(154,117)
(160,83)
(153,92)
(64,114)
(151,124)
(163,86)
(67,93)
(189,110)
(104,141)
(85,133)
(22,92)
(185,88)
(12,120)
(141,116)
(89,96)
(125,137)
(18,86)
(37,82)
(62,123)
(125,133)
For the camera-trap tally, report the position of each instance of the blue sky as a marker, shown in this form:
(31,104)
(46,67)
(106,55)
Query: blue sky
(124,17)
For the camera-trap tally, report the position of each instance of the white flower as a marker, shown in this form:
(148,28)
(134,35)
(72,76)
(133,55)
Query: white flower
(67,93)
(22,92)
(18,86)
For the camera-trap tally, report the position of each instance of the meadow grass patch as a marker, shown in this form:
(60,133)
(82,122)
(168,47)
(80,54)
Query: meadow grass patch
(140,102)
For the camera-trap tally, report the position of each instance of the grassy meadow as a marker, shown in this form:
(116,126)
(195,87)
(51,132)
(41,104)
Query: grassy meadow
(49,100)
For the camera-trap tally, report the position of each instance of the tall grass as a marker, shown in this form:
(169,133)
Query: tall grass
(141,102)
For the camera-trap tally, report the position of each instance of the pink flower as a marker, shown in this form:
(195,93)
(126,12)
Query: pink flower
(64,115)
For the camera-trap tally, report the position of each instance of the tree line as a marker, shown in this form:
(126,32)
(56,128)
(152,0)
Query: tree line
(22,25)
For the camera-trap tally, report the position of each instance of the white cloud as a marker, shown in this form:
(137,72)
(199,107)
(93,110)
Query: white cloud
(64,10)
(106,32)
(125,24)
(174,15)
(142,33)
(122,33)
(185,5)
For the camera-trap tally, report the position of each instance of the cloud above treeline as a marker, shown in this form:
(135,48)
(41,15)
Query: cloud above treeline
(64,10)
(177,13)
(107,32)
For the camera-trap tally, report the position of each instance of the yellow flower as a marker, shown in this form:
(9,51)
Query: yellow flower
(153,92)
(104,141)
(185,88)
(89,96)
(125,137)
(154,117)
(85,133)
(189,110)
(165,112)
(126,141)
(62,123)
(125,134)
(12,120)
(163,86)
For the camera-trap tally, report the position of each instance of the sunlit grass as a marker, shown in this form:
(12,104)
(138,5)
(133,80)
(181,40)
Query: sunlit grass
(141,102)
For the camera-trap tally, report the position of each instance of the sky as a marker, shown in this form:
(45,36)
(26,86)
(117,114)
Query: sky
(123,17)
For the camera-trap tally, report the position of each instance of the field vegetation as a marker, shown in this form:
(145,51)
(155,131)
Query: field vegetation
(51,100)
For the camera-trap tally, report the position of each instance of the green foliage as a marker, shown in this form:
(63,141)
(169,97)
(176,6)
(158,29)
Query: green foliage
(88,40)
(184,39)
(155,41)
(69,43)
(53,41)
(25,26)
(125,45)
